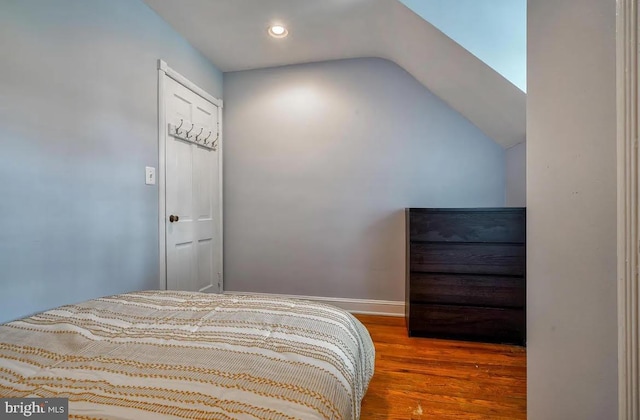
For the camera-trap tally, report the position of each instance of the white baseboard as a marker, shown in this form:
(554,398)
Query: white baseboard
(356,306)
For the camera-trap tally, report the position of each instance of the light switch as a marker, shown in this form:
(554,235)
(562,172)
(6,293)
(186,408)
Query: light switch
(150,175)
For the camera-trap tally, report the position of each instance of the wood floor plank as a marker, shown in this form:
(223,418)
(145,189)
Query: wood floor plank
(421,378)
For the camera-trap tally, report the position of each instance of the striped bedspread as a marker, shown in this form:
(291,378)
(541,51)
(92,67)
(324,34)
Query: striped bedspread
(166,354)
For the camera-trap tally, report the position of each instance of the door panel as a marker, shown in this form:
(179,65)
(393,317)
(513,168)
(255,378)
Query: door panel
(192,193)
(205,264)
(180,183)
(203,170)
(179,272)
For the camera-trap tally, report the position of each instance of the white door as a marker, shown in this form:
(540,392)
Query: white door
(193,192)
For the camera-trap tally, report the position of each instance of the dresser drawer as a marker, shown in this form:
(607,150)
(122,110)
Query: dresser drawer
(471,258)
(467,323)
(467,289)
(479,225)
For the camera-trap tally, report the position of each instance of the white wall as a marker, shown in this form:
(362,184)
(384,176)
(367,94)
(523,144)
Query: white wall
(516,175)
(320,161)
(78,124)
(571,198)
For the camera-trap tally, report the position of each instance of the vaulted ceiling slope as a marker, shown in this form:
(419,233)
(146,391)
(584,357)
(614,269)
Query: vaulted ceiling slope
(233,35)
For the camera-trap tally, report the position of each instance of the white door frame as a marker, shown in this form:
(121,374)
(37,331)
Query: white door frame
(165,71)
(628,182)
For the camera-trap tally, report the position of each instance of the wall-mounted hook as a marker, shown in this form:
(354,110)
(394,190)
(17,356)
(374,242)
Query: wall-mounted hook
(213,143)
(192,125)
(205,140)
(178,127)
(198,135)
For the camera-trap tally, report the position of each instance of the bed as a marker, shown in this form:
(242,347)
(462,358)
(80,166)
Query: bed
(169,354)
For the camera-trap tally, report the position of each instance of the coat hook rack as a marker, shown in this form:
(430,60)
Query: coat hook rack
(174,131)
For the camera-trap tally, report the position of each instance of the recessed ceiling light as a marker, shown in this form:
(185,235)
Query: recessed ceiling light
(278,31)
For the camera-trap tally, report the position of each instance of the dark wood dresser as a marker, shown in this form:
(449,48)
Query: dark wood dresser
(466,274)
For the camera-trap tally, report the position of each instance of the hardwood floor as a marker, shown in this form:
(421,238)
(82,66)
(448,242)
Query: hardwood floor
(421,378)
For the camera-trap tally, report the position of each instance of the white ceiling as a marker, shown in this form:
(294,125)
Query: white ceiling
(233,35)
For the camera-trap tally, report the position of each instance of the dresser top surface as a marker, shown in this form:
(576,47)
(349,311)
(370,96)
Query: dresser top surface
(462,209)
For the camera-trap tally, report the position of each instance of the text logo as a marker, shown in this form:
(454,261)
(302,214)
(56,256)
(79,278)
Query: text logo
(34,408)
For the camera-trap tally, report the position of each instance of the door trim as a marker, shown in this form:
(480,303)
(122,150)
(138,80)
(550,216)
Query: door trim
(165,71)
(628,246)
(162,66)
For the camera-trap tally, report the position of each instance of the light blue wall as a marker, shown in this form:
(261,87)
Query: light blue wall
(493,30)
(320,162)
(516,169)
(78,124)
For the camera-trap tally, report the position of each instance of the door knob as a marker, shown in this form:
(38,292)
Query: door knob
(173,218)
